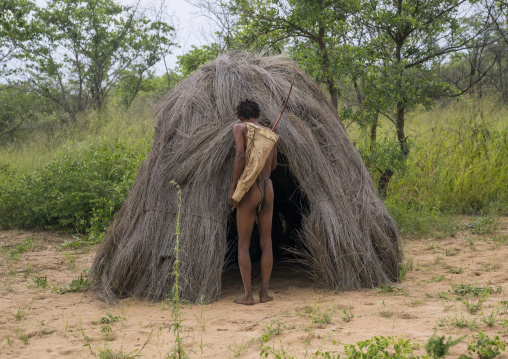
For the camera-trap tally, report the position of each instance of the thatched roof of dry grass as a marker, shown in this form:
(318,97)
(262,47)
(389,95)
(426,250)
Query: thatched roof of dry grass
(348,239)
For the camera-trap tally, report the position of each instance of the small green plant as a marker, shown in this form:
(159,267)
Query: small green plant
(504,326)
(10,342)
(29,243)
(10,255)
(504,306)
(436,279)
(474,303)
(441,322)
(202,325)
(438,348)
(490,266)
(443,295)
(388,288)
(77,285)
(281,353)
(500,239)
(19,315)
(347,315)
(376,347)
(405,268)
(385,313)
(71,259)
(178,350)
(106,329)
(483,225)
(108,319)
(463,289)
(456,270)
(108,353)
(41,282)
(449,252)
(24,338)
(321,318)
(490,320)
(86,338)
(81,243)
(273,329)
(485,347)
(463,322)
(471,242)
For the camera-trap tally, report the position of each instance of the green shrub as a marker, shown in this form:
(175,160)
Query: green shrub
(438,348)
(485,347)
(81,189)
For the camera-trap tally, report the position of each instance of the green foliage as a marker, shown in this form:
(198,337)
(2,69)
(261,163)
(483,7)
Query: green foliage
(108,353)
(380,347)
(458,165)
(81,189)
(29,243)
(383,155)
(19,315)
(24,338)
(23,110)
(483,225)
(347,315)
(77,285)
(491,319)
(178,350)
(463,289)
(197,56)
(322,318)
(463,322)
(79,50)
(106,329)
(404,268)
(438,348)
(273,329)
(108,319)
(485,347)
(474,303)
(41,282)
(374,348)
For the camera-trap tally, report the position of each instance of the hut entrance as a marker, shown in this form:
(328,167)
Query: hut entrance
(290,202)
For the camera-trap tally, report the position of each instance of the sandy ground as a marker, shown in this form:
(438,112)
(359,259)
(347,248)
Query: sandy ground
(36,322)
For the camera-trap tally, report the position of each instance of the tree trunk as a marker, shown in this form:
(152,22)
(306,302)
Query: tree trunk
(383,182)
(373,131)
(330,82)
(399,124)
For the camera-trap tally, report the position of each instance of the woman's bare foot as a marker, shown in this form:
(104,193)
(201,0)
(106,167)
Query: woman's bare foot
(245,300)
(263,297)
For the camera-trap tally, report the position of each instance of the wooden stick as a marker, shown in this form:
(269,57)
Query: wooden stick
(285,104)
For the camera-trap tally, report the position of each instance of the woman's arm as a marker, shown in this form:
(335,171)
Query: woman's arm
(238,134)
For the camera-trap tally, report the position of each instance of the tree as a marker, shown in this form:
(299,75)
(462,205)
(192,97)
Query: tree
(312,31)
(197,56)
(413,34)
(83,48)
(386,49)
(14,24)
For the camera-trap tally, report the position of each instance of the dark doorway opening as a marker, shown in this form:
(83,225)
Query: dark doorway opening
(289,206)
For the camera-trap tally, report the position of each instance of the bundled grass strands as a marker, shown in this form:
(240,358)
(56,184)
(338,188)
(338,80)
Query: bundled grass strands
(347,240)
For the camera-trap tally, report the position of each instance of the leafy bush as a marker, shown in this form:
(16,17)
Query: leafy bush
(438,348)
(81,189)
(485,347)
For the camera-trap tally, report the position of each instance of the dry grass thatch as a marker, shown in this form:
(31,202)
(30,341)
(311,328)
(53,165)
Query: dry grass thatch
(347,239)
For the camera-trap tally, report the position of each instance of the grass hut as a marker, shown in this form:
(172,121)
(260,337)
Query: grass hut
(327,213)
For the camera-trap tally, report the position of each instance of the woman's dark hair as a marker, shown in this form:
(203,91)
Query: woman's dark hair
(247,109)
